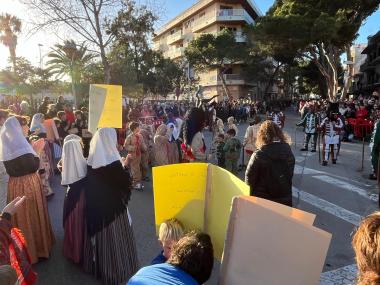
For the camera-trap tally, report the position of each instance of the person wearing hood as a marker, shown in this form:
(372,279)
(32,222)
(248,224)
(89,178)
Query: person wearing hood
(74,171)
(3,173)
(231,125)
(21,163)
(270,169)
(173,134)
(109,246)
(161,146)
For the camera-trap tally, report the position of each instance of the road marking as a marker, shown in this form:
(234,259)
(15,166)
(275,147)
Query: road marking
(328,207)
(298,169)
(343,184)
(344,275)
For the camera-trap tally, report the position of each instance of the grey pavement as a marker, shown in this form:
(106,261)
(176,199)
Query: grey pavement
(340,195)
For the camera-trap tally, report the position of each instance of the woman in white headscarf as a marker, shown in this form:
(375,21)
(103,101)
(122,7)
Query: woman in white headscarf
(161,146)
(110,250)
(21,163)
(37,126)
(74,170)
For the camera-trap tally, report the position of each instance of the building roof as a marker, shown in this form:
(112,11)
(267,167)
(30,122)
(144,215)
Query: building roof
(372,43)
(248,5)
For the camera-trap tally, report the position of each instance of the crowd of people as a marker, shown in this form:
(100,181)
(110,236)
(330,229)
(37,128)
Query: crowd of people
(98,231)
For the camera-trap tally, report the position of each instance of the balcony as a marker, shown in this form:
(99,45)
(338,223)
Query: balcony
(227,15)
(239,36)
(176,37)
(230,79)
(175,53)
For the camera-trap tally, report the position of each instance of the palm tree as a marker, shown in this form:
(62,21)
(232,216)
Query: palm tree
(69,59)
(10,27)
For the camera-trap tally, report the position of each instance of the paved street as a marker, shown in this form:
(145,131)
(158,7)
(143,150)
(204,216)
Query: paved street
(339,195)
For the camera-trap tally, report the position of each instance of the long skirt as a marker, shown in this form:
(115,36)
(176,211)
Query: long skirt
(74,230)
(173,153)
(111,254)
(3,186)
(32,218)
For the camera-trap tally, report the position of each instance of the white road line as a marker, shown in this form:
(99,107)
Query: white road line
(298,170)
(343,184)
(344,275)
(328,207)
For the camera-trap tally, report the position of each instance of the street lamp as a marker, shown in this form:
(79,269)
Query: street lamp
(39,47)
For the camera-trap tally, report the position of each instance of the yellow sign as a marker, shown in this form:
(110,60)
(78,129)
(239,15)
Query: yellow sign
(105,106)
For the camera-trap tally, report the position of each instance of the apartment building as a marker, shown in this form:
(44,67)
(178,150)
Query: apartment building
(209,16)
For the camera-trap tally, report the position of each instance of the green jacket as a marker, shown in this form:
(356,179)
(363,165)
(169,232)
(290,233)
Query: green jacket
(232,149)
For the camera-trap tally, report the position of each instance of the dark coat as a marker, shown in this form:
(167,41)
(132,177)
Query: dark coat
(270,172)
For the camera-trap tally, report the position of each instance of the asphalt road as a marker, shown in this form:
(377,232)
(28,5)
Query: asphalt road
(340,195)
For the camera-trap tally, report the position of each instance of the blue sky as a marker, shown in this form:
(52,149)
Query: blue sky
(372,25)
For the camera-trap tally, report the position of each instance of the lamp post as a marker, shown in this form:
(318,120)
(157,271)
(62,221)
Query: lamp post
(39,47)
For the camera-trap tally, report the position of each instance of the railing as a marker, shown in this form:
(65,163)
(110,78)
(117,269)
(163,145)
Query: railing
(175,53)
(231,77)
(222,15)
(177,36)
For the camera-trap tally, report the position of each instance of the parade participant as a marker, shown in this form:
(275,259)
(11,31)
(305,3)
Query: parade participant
(161,146)
(79,123)
(74,170)
(21,163)
(3,173)
(44,106)
(135,145)
(69,114)
(147,138)
(13,249)
(331,127)
(251,136)
(60,106)
(190,263)
(277,117)
(109,249)
(375,149)
(173,134)
(219,128)
(40,146)
(310,122)
(366,245)
(270,169)
(37,126)
(194,147)
(232,150)
(170,232)
(231,125)
(220,154)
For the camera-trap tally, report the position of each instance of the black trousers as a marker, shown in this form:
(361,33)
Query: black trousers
(313,142)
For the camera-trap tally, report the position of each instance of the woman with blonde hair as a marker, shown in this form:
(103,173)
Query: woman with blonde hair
(251,136)
(366,243)
(270,169)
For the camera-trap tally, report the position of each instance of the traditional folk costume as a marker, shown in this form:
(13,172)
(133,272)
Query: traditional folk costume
(161,146)
(135,146)
(109,249)
(74,170)
(250,140)
(21,163)
(231,125)
(194,147)
(13,252)
(310,122)
(41,146)
(375,149)
(331,127)
(173,134)
(3,185)
(147,138)
(278,118)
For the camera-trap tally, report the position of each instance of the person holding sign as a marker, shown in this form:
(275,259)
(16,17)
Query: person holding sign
(270,169)
(190,263)
(109,247)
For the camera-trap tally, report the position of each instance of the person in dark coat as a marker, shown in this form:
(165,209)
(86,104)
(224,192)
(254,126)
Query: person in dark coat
(270,170)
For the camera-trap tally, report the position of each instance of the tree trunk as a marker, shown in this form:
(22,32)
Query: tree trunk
(224,85)
(12,52)
(271,79)
(350,67)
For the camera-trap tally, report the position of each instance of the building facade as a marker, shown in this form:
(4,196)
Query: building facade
(367,81)
(209,16)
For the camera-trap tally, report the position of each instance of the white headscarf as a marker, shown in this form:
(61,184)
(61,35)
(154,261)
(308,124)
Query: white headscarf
(103,149)
(71,137)
(74,165)
(37,123)
(12,141)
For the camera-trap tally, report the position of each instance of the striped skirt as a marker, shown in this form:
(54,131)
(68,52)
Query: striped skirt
(32,218)
(111,254)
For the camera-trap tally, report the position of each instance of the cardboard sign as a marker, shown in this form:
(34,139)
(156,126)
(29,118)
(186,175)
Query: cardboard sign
(105,107)
(200,196)
(267,247)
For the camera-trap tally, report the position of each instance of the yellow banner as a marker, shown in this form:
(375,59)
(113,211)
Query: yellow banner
(105,106)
